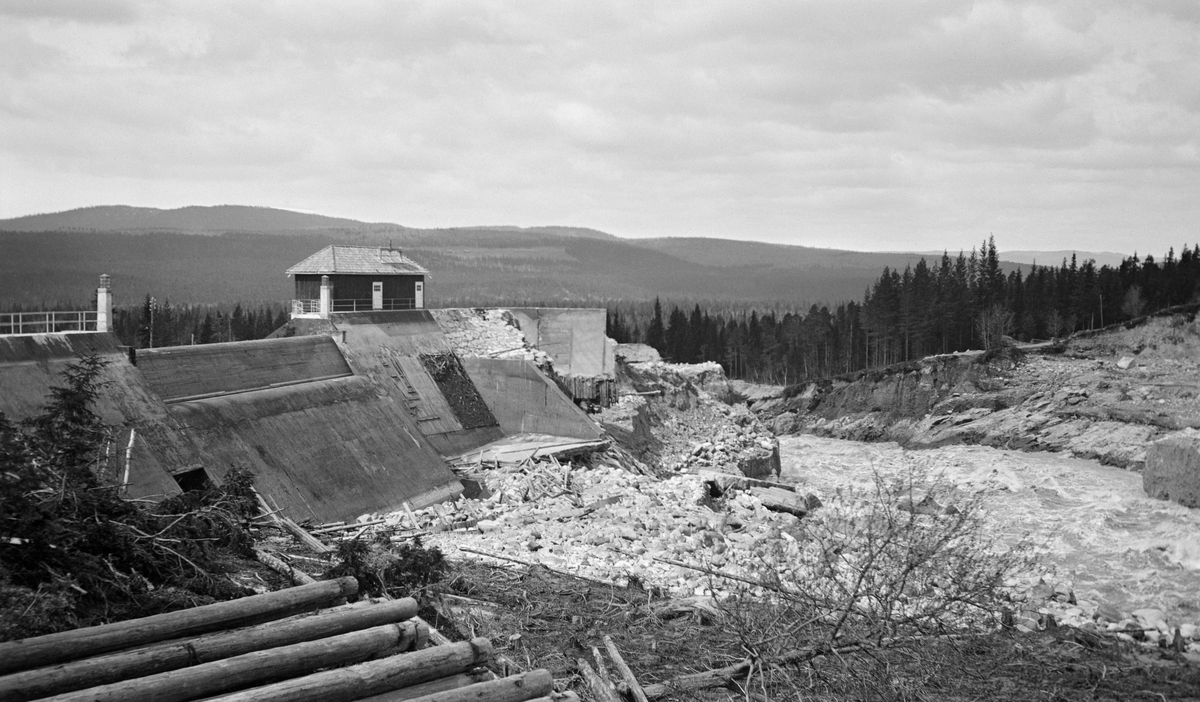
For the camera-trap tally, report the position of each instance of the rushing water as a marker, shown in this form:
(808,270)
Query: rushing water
(1096,528)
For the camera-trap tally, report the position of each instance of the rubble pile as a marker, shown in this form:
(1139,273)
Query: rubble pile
(680,420)
(609,525)
(476,333)
(605,523)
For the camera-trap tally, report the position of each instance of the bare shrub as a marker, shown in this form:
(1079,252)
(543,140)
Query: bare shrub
(993,324)
(866,576)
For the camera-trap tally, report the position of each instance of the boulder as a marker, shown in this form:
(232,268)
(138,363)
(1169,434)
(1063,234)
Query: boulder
(785,423)
(1172,469)
(638,353)
(758,462)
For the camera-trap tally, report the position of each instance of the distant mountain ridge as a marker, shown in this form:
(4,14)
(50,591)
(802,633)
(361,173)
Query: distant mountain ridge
(229,252)
(220,219)
(195,218)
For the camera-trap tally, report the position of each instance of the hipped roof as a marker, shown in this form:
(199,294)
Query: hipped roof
(357,260)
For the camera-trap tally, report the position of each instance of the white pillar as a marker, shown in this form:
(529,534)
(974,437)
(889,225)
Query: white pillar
(326,297)
(104,305)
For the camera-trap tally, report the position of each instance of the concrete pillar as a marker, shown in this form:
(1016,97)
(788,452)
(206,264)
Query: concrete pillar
(104,305)
(326,297)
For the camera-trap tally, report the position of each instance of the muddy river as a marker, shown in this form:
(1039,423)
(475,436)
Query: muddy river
(1096,530)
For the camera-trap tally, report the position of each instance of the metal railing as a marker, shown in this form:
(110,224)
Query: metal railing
(47,322)
(306,306)
(365,305)
(353,305)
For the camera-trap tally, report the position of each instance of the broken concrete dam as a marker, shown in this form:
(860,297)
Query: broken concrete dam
(355,414)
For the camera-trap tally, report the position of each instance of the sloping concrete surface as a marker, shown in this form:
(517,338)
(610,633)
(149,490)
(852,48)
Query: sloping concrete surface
(386,347)
(142,427)
(525,401)
(326,450)
(180,372)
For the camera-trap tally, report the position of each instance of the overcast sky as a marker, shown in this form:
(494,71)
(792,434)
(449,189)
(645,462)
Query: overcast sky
(890,125)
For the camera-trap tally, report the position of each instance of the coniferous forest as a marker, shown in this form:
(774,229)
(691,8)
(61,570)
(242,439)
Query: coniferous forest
(154,324)
(952,304)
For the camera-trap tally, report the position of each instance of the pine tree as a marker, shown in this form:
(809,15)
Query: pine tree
(654,333)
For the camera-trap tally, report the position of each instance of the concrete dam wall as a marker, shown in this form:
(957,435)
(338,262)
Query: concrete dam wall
(358,417)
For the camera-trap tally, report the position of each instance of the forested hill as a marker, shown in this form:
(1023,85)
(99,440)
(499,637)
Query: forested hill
(942,305)
(230,253)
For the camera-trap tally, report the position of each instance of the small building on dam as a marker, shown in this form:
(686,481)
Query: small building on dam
(344,278)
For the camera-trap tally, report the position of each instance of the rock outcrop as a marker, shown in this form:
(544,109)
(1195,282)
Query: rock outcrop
(1173,468)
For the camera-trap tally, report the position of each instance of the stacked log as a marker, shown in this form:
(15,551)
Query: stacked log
(259,648)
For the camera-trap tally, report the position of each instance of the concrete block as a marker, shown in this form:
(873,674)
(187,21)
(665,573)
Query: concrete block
(1173,468)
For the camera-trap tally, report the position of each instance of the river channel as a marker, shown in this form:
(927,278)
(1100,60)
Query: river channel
(1097,531)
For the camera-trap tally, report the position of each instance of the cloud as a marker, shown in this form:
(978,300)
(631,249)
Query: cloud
(858,123)
(91,12)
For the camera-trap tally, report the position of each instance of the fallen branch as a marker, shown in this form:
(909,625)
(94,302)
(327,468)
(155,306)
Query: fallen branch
(602,690)
(615,654)
(297,576)
(699,681)
(727,576)
(346,527)
(529,564)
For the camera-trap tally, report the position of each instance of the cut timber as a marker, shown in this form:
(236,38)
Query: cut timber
(345,527)
(626,674)
(602,690)
(305,538)
(778,500)
(437,637)
(297,576)
(295,529)
(182,653)
(698,681)
(452,682)
(515,688)
(375,677)
(727,481)
(255,668)
(91,641)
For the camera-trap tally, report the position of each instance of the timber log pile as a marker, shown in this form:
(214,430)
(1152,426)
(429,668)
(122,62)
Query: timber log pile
(302,643)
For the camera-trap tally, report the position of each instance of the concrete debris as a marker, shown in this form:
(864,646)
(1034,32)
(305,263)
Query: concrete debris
(604,523)
(638,353)
(695,424)
(487,333)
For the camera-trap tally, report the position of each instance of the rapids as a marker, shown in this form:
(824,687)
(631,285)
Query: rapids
(1096,530)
